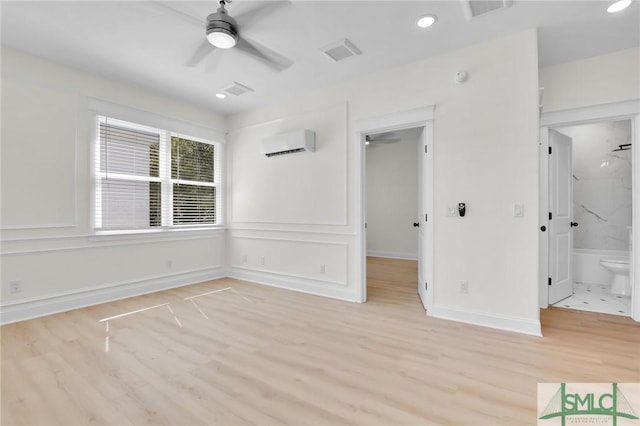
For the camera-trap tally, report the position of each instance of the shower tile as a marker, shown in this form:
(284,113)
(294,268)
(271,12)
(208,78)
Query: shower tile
(601,185)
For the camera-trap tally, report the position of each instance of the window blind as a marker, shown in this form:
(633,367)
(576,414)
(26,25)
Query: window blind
(129,194)
(193,168)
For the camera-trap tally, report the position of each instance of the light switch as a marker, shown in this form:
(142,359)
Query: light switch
(518,210)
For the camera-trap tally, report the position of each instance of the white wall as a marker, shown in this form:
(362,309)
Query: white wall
(47,241)
(392,198)
(485,155)
(598,80)
(304,192)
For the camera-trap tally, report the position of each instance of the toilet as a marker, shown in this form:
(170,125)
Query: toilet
(620,268)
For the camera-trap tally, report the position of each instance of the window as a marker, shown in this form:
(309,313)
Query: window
(192,177)
(148,178)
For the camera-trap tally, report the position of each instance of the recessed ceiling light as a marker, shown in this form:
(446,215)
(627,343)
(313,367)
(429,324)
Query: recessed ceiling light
(427,21)
(221,95)
(618,6)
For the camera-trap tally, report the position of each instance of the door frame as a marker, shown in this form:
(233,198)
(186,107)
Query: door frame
(418,117)
(627,110)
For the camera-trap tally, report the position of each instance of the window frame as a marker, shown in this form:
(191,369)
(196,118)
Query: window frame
(170,127)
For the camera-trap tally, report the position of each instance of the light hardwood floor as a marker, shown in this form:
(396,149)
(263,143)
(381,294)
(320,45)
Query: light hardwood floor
(260,355)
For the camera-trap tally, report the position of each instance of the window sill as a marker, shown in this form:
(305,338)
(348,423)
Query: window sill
(164,233)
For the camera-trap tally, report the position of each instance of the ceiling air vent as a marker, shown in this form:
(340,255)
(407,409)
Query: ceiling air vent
(475,8)
(236,89)
(341,50)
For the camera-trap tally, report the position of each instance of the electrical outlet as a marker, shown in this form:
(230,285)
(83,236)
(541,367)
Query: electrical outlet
(518,210)
(262,260)
(244,258)
(169,263)
(464,287)
(323,269)
(15,287)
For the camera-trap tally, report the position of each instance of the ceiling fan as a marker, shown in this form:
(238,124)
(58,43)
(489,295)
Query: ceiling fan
(381,139)
(225,32)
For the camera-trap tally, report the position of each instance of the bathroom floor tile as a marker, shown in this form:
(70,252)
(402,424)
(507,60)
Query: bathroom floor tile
(596,298)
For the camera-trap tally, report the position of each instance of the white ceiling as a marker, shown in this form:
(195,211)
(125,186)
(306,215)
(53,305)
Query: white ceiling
(147,44)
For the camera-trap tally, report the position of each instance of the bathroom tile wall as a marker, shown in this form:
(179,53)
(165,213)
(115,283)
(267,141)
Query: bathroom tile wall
(601,185)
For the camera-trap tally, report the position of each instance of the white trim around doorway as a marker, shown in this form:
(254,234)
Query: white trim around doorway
(418,117)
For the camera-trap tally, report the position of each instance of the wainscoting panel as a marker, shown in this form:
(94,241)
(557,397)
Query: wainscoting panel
(292,189)
(40,280)
(321,261)
(39,182)
(36,307)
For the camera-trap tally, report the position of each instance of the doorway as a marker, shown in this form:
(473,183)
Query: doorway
(416,118)
(391,187)
(598,200)
(392,212)
(588,208)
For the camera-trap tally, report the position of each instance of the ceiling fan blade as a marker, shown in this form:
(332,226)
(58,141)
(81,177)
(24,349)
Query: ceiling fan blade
(166,7)
(264,54)
(265,9)
(204,50)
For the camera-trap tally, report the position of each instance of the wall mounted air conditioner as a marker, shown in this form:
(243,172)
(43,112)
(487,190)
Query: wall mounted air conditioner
(289,143)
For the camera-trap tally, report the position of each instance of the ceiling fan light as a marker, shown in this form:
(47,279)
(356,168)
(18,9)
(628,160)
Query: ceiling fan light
(220,38)
(427,21)
(618,6)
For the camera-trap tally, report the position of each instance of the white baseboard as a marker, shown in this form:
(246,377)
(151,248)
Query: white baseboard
(392,254)
(484,319)
(318,288)
(34,308)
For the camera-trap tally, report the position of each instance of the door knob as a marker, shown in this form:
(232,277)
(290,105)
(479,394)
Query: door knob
(416,224)
(573,224)
(543,228)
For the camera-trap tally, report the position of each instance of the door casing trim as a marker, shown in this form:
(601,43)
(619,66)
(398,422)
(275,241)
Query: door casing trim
(417,117)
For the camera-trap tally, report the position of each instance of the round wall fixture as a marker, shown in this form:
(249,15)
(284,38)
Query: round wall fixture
(462,76)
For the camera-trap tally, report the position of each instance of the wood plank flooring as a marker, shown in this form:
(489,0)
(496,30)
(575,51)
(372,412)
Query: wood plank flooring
(254,354)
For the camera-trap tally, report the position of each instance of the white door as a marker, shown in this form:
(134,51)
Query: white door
(421,273)
(425,229)
(560,223)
